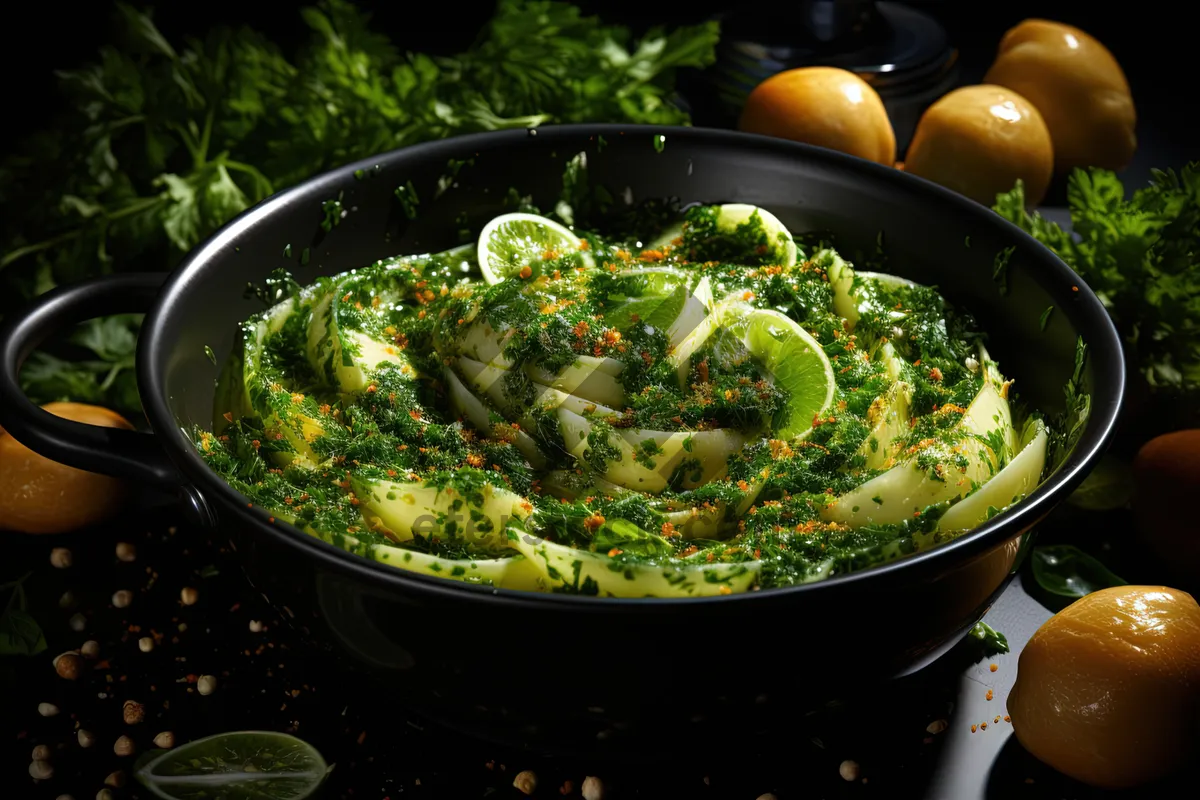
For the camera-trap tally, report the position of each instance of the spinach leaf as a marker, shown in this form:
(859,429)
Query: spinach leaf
(1068,571)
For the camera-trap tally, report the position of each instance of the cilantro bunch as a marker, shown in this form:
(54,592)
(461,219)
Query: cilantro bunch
(163,142)
(1142,257)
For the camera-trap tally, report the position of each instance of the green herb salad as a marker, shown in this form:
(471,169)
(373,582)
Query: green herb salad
(712,410)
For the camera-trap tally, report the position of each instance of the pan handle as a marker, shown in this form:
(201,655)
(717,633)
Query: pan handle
(122,453)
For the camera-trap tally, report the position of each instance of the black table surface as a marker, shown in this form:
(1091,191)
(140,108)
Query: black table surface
(266,680)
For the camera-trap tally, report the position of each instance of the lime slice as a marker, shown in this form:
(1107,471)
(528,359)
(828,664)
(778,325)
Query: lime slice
(729,217)
(797,363)
(511,242)
(246,765)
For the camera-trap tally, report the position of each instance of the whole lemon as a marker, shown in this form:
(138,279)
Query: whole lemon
(1078,86)
(38,495)
(824,106)
(978,140)
(1108,689)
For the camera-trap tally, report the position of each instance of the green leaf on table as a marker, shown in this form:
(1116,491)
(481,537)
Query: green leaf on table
(1068,571)
(20,635)
(1108,487)
(992,640)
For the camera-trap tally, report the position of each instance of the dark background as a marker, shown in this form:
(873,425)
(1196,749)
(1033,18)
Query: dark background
(1151,40)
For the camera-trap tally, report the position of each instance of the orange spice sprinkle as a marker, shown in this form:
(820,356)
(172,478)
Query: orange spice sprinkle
(593,523)
(983,726)
(616,551)
(974,728)
(994,667)
(935,374)
(475,460)
(1007,718)
(525,271)
(989,694)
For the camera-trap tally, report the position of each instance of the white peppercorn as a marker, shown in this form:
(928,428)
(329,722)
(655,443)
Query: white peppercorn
(593,788)
(206,684)
(526,782)
(124,746)
(126,551)
(47,709)
(41,770)
(85,737)
(90,649)
(60,557)
(122,598)
(145,644)
(165,740)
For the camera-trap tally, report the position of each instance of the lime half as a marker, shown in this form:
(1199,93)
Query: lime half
(511,242)
(797,363)
(247,765)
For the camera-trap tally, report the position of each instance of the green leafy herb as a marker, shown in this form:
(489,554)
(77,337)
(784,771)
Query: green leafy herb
(1140,257)
(993,641)
(162,142)
(1045,319)
(20,635)
(1068,571)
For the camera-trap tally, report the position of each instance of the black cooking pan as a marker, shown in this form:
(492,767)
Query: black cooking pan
(555,670)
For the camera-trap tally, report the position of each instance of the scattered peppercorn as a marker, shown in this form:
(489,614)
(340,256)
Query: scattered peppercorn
(849,770)
(60,558)
(126,551)
(188,596)
(47,709)
(90,649)
(85,737)
(124,746)
(145,644)
(41,753)
(41,770)
(165,740)
(206,684)
(526,782)
(133,712)
(69,665)
(122,598)
(78,622)
(593,788)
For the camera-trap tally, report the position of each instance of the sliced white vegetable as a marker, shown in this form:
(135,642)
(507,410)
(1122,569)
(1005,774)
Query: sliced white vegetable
(490,381)
(514,572)
(346,357)
(566,566)
(681,357)
(841,278)
(906,489)
(480,417)
(1018,478)
(584,379)
(710,449)
(417,508)
(889,418)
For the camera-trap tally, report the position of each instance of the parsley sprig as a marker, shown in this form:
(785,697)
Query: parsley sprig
(1141,256)
(163,142)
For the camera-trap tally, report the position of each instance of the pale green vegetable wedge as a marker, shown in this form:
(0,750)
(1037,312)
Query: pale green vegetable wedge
(1018,478)
(566,566)
(907,489)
